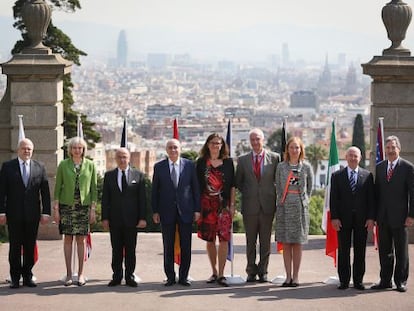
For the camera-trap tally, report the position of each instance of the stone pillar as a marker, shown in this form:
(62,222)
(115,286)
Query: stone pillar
(392,87)
(35,90)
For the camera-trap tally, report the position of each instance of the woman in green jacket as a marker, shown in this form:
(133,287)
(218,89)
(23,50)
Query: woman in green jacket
(75,202)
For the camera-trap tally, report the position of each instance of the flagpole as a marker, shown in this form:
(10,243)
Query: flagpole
(232,279)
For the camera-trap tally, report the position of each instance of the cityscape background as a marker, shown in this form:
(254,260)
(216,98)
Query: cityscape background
(205,62)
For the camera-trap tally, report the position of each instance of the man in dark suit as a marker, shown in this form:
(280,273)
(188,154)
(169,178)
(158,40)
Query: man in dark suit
(352,215)
(175,201)
(123,211)
(255,179)
(23,184)
(394,193)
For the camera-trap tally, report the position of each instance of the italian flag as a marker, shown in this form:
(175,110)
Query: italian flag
(331,235)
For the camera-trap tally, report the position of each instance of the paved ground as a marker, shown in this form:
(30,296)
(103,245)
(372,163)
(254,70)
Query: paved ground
(313,293)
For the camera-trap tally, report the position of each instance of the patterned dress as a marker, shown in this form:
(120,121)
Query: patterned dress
(292,212)
(215,218)
(74,220)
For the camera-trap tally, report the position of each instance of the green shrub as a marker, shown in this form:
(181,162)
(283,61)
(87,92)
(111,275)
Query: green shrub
(315,213)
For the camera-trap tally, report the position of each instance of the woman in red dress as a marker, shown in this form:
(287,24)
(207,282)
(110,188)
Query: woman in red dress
(215,172)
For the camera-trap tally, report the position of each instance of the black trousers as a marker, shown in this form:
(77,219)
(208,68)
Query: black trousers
(22,235)
(356,235)
(393,247)
(124,242)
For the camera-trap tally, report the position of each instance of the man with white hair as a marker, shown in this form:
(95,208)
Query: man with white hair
(23,185)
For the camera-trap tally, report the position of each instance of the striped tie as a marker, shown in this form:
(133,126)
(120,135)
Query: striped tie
(352,181)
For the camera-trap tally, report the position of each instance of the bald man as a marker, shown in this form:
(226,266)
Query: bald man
(123,211)
(352,215)
(23,185)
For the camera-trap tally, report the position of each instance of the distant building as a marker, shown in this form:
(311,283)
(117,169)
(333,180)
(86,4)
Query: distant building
(99,158)
(325,80)
(143,160)
(159,112)
(157,60)
(304,99)
(122,50)
(351,84)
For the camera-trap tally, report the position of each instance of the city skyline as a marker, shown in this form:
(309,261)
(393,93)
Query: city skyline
(233,30)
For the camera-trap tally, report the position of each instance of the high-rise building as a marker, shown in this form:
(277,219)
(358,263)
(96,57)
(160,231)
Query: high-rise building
(122,51)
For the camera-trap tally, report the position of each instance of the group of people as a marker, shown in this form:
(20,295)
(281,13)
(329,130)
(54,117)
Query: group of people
(184,192)
(357,203)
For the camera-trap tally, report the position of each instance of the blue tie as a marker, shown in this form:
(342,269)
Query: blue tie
(352,181)
(25,175)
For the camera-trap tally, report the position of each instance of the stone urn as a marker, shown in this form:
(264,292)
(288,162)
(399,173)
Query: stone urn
(36,17)
(396,16)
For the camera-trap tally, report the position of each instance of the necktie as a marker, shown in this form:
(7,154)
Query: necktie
(124,181)
(257,167)
(174,176)
(25,174)
(390,172)
(352,181)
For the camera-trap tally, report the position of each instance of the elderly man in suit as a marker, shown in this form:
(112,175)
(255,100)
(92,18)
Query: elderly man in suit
(255,179)
(175,201)
(23,185)
(352,215)
(123,211)
(394,193)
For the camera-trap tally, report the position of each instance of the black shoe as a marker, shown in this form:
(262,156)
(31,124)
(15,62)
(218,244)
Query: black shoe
(251,278)
(131,282)
(14,285)
(222,281)
(113,283)
(401,288)
(359,286)
(169,283)
(212,279)
(294,284)
(262,278)
(343,286)
(286,283)
(29,283)
(184,282)
(381,286)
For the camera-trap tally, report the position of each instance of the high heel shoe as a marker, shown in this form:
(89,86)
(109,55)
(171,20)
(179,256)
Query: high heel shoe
(287,283)
(68,281)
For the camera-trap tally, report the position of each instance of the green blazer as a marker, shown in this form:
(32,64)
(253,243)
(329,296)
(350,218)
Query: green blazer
(65,182)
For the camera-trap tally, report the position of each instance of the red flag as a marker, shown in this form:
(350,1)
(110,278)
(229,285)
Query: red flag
(177,246)
(88,246)
(36,253)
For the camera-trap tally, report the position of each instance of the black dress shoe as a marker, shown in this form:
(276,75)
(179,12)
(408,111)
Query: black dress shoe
(343,286)
(169,283)
(262,278)
(184,282)
(381,286)
(113,283)
(14,285)
(29,283)
(131,282)
(359,286)
(401,288)
(251,278)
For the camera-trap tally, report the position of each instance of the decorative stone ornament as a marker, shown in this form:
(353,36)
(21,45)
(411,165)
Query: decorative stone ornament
(36,16)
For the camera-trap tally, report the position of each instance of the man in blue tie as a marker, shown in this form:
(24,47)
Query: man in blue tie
(23,185)
(175,201)
(352,215)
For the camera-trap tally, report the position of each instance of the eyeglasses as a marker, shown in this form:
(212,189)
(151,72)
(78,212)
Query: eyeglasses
(216,143)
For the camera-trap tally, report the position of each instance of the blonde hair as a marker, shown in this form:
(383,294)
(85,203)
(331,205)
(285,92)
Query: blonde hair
(77,141)
(301,145)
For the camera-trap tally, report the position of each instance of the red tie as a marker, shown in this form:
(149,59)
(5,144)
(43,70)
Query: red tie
(257,167)
(390,172)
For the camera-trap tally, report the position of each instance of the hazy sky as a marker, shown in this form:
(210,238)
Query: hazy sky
(232,16)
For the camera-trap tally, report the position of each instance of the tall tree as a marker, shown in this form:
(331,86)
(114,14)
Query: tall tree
(358,137)
(60,43)
(274,142)
(315,154)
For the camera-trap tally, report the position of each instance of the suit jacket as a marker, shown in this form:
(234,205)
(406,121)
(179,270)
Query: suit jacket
(343,201)
(166,199)
(124,208)
(394,199)
(65,182)
(21,203)
(256,194)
